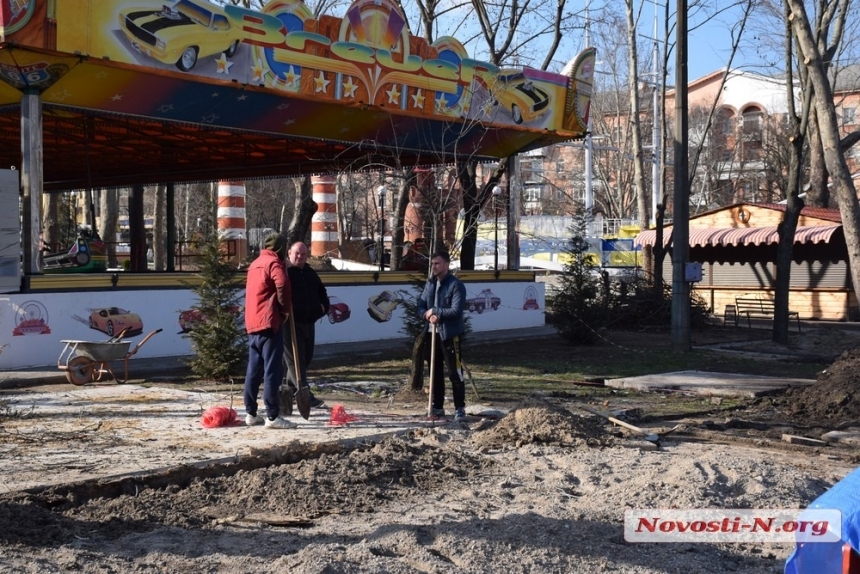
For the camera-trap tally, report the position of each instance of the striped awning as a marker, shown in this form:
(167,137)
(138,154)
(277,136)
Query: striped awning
(734,236)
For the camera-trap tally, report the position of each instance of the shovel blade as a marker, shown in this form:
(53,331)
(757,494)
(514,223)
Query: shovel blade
(303,401)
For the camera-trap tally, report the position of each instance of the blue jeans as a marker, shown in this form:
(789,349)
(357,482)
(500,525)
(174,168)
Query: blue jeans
(265,366)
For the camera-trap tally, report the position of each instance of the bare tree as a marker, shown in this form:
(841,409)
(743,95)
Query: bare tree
(794,204)
(833,14)
(635,123)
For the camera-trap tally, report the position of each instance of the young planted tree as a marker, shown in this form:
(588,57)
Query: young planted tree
(578,308)
(218,338)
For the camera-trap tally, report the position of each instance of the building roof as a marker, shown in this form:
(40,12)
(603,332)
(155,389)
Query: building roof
(734,236)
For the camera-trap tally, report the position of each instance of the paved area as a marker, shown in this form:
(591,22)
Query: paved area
(710,384)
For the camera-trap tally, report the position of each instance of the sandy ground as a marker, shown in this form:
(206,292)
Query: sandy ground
(542,489)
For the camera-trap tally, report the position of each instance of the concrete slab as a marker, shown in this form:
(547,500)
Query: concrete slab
(108,430)
(704,383)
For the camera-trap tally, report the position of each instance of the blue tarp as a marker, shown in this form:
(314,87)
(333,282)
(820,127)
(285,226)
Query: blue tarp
(825,557)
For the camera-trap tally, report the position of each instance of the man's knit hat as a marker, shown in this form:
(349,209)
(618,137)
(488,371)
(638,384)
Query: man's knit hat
(275,241)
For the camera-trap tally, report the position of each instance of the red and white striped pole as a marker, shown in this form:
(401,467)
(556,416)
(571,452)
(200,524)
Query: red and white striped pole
(231,218)
(324,239)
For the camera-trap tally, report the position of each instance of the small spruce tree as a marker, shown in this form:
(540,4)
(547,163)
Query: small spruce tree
(578,307)
(218,339)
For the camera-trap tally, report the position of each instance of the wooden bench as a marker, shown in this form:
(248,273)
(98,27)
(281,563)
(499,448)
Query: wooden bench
(758,307)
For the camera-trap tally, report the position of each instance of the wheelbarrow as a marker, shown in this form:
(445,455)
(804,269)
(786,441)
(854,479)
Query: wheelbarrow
(85,361)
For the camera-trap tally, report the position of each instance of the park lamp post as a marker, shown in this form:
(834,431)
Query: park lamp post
(381,191)
(497,191)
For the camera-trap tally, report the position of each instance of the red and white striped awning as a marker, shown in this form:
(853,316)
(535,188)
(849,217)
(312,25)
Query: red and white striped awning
(725,236)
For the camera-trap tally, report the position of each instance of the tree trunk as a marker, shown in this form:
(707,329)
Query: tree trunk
(818,194)
(136,230)
(305,208)
(52,236)
(474,198)
(109,209)
(399,232)
(416,372)
(794,204)
(471,210)
(159,247)
(642,199)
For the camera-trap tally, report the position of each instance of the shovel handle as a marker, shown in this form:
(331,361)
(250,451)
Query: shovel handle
(299,378)
(432,367)
(615,420)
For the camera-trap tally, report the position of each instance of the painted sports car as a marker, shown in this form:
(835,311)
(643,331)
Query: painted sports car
(337,310)
(182,33)
(515,92)
(380,307)
(530,304)
(190,318)
(484,300)
(113,320)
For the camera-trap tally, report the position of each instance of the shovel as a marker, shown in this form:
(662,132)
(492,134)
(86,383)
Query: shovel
(646,435)
(303,393)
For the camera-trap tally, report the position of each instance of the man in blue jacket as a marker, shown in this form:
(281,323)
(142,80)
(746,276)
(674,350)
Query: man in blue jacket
(441,304)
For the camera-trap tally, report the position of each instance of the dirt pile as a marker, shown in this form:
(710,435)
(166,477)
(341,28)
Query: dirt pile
(538,421)
(835,397)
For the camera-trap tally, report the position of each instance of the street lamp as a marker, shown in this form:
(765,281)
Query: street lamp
(381,191)
(497,191)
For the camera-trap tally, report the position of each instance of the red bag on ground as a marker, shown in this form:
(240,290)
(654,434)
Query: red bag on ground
(218,417)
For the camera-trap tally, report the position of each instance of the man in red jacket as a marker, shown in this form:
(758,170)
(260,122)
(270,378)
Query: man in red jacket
(267,301)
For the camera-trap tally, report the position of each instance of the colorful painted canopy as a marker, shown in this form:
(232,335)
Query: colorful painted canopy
(143,91)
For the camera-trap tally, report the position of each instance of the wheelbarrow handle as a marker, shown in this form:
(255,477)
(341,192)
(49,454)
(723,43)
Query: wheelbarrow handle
(131,354)
(142,341)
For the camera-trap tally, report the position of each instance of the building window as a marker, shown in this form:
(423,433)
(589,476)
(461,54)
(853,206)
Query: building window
(752,122)
(532,194)
(849,116)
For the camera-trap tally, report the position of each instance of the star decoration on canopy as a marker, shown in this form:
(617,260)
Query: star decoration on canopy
(320,83)
(223,65)
(258,71)
(291,77)
(393,95)
(349,88)
(418,99)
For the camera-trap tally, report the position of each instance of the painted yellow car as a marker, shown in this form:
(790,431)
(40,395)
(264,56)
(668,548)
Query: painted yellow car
(181,34)
(516,93)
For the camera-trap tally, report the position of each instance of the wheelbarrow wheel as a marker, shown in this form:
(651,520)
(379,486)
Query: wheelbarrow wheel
(79,370)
